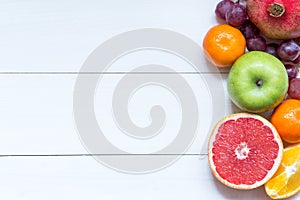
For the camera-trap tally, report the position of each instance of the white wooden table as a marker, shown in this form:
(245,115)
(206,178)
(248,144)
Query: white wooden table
(43,45)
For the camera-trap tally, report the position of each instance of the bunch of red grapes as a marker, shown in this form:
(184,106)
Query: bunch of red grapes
(288,51)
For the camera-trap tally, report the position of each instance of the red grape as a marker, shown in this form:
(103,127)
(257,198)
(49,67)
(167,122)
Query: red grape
(222,7)
(292,71)
(294,88)
(271,49)
(249,30)
(288,50)
(297,60)
(236,15)
(256,43)
(297,40)
(243,2)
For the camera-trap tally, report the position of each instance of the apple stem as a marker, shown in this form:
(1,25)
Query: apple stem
(276,9)
(259,83)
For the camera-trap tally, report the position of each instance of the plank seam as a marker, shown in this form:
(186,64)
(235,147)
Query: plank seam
(78,155)
(106,73)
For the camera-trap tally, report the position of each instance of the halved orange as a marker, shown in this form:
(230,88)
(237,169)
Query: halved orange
(286,181)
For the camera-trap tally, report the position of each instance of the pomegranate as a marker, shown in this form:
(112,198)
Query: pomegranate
(277,19)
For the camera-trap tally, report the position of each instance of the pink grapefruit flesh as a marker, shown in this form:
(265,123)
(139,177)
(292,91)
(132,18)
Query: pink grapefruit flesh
(245,151)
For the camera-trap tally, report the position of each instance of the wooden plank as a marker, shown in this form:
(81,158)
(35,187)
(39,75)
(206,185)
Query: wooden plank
(36,111)
(60,35)
(84,178)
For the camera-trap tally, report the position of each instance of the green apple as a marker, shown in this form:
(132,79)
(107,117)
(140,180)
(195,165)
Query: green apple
(257,82)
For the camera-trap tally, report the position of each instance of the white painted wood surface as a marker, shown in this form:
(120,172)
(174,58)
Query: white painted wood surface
(43,44)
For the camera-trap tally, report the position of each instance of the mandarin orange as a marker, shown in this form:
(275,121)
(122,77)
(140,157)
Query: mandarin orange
(286,119)
(223,44)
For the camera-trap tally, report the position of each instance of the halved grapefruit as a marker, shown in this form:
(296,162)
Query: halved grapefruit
(245,151)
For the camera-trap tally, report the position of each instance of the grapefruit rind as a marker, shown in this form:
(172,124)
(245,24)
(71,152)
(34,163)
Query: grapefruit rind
(270,172)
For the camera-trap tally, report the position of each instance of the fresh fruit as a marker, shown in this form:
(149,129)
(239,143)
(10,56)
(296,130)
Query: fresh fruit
(249,30)
(292,72)
(272,49)
(286,119)
(277,19)
(236,15)
(257,82)
(297,40)
(294,89)
(288,50)
(223,44)
(245,151)
(242,2)
(256,43)
(285,182)
(222,7)
(297,60)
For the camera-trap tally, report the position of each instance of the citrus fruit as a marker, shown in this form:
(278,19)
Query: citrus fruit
(286,119)
(245,151)
(223,44)
(286,181)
